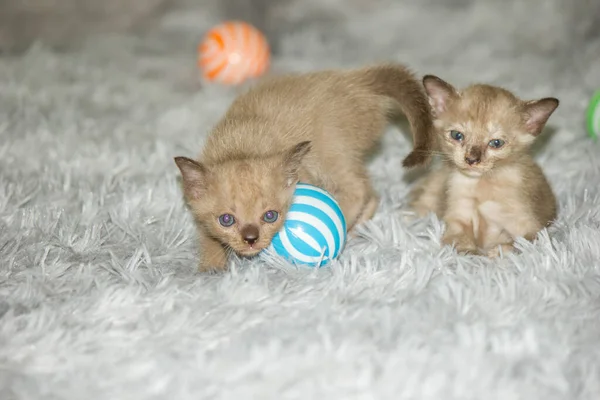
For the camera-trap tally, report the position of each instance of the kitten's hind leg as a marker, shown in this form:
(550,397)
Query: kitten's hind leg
(356,197)
(352,205)
(504,227)
(213,257)
(427,195)
(369,209)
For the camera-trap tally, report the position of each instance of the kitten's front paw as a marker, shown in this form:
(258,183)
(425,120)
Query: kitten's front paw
(213,257)
(216,262)
(469,251)
(500,250)
(462,243)
(211,268)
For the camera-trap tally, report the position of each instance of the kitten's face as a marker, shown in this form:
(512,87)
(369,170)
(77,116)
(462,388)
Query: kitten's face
(483,126)
(478,132)
(243,202)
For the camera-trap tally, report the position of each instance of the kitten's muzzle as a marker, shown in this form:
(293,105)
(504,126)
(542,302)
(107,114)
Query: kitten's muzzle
(472,160)
(249,234)
(473,155)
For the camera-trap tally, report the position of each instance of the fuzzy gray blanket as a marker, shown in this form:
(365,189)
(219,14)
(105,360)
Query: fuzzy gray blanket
(99,296)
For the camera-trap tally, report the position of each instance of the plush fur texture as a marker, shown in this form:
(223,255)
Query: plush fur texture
(488,190)
(100,297)
(317,128)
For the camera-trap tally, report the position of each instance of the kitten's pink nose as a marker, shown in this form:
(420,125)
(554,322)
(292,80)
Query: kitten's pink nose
(472,161)
(250,234)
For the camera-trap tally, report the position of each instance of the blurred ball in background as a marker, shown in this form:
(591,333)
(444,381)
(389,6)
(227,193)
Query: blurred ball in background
(233,52)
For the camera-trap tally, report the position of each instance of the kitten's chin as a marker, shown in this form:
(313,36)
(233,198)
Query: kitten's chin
(249,251)
(471,173)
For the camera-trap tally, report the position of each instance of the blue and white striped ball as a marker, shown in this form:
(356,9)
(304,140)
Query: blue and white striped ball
(314,231)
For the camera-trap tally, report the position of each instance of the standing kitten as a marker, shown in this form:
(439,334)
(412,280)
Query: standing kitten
(316,128)
(489,190)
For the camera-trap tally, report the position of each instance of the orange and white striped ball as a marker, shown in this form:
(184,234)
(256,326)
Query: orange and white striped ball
(232,52)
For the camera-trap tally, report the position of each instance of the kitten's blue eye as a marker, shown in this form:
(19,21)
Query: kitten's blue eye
(456,135)
(496,143)
(270,216)
(226,220)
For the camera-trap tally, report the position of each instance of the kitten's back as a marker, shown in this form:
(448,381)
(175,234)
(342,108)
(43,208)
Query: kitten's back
(351,106)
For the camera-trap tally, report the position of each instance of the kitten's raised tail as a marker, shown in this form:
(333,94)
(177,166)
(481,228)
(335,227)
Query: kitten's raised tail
(399,83)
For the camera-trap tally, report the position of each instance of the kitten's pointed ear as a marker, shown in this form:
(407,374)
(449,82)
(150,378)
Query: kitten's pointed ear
(440,93)
(537,113)
(292,160)
(194,177)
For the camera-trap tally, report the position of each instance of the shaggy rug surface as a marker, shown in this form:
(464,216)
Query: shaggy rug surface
(99,294)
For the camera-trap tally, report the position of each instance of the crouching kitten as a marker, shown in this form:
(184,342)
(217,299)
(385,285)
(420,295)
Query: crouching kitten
(317,128)
(488,189)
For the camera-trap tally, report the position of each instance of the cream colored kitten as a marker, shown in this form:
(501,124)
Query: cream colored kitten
(488,189)
(316,128)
